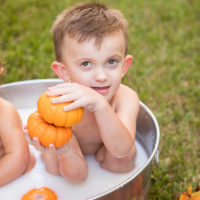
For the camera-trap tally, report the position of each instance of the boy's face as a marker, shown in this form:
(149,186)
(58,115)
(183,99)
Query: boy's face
(100,69)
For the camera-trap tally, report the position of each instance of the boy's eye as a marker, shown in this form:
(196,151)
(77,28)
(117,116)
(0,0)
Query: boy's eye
(112,62)
(86,64)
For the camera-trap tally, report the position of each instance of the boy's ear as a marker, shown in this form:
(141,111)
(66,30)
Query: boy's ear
(127,62)
(60,70)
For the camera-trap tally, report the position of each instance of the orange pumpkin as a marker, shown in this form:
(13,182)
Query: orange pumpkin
(54,113)
(187,196)
(184,196)
(46,133)
(190,195)
(42,193)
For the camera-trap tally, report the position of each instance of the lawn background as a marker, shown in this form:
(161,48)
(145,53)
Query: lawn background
(164,39)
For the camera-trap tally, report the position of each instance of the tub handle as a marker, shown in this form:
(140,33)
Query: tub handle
(157,158)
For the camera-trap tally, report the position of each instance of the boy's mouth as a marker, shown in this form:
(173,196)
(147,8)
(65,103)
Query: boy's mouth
(101,90)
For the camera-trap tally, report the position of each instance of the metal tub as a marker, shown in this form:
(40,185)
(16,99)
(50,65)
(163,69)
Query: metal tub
(134,186)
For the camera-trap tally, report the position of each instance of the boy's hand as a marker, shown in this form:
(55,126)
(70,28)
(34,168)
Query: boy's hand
(81,96)
(52,150)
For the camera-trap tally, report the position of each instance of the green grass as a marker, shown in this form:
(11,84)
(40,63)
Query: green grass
(164,38)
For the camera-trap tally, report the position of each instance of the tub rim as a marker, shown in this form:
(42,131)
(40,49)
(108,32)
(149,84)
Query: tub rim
(144,106)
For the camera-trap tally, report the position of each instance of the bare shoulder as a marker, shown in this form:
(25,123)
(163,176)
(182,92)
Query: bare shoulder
(126,94)
(124,89)
(8,115)
(11,130)
(6,108)
(126,100)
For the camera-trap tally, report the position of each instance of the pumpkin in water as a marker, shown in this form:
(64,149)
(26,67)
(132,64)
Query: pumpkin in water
(47,133)
(42,193)
(54,113)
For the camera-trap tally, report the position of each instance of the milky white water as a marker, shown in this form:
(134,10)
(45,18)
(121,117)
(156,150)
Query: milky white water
(98,181)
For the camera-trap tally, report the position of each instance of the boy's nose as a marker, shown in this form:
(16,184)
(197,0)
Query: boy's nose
(100,75)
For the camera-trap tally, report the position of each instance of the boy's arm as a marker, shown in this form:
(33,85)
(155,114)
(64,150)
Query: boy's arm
(118,151)
(118,127)
(16,154)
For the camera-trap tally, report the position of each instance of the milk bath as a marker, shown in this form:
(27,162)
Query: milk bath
(98,182)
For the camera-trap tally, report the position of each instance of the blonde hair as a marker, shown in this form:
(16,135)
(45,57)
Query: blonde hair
(85,21)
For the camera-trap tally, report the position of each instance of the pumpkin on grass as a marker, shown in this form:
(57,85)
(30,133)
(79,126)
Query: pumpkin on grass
(54,113)
(47,133)
(42,193)
(190,195)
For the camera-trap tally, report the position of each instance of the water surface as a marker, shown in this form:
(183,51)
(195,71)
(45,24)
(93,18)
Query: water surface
(98,181)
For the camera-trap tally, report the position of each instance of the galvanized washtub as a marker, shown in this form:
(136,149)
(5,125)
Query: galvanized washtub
(101,184)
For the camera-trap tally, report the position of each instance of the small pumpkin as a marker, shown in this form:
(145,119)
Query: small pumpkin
(190,195)
(54,113)
(42,193)
(47,133)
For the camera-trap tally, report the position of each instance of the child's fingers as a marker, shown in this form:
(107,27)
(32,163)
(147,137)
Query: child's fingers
(35,141)
(52,148)
(65,98)
(27,137)
(24,126)
(26,131)
(62,85)
(66,89)
(74,105)
(37,145)
(59,91)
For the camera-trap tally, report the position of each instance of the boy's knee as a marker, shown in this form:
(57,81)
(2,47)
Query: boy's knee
(75,177)
(120,165)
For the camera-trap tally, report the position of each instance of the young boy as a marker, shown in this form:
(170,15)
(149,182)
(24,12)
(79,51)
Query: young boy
(15,158)
(90,46)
